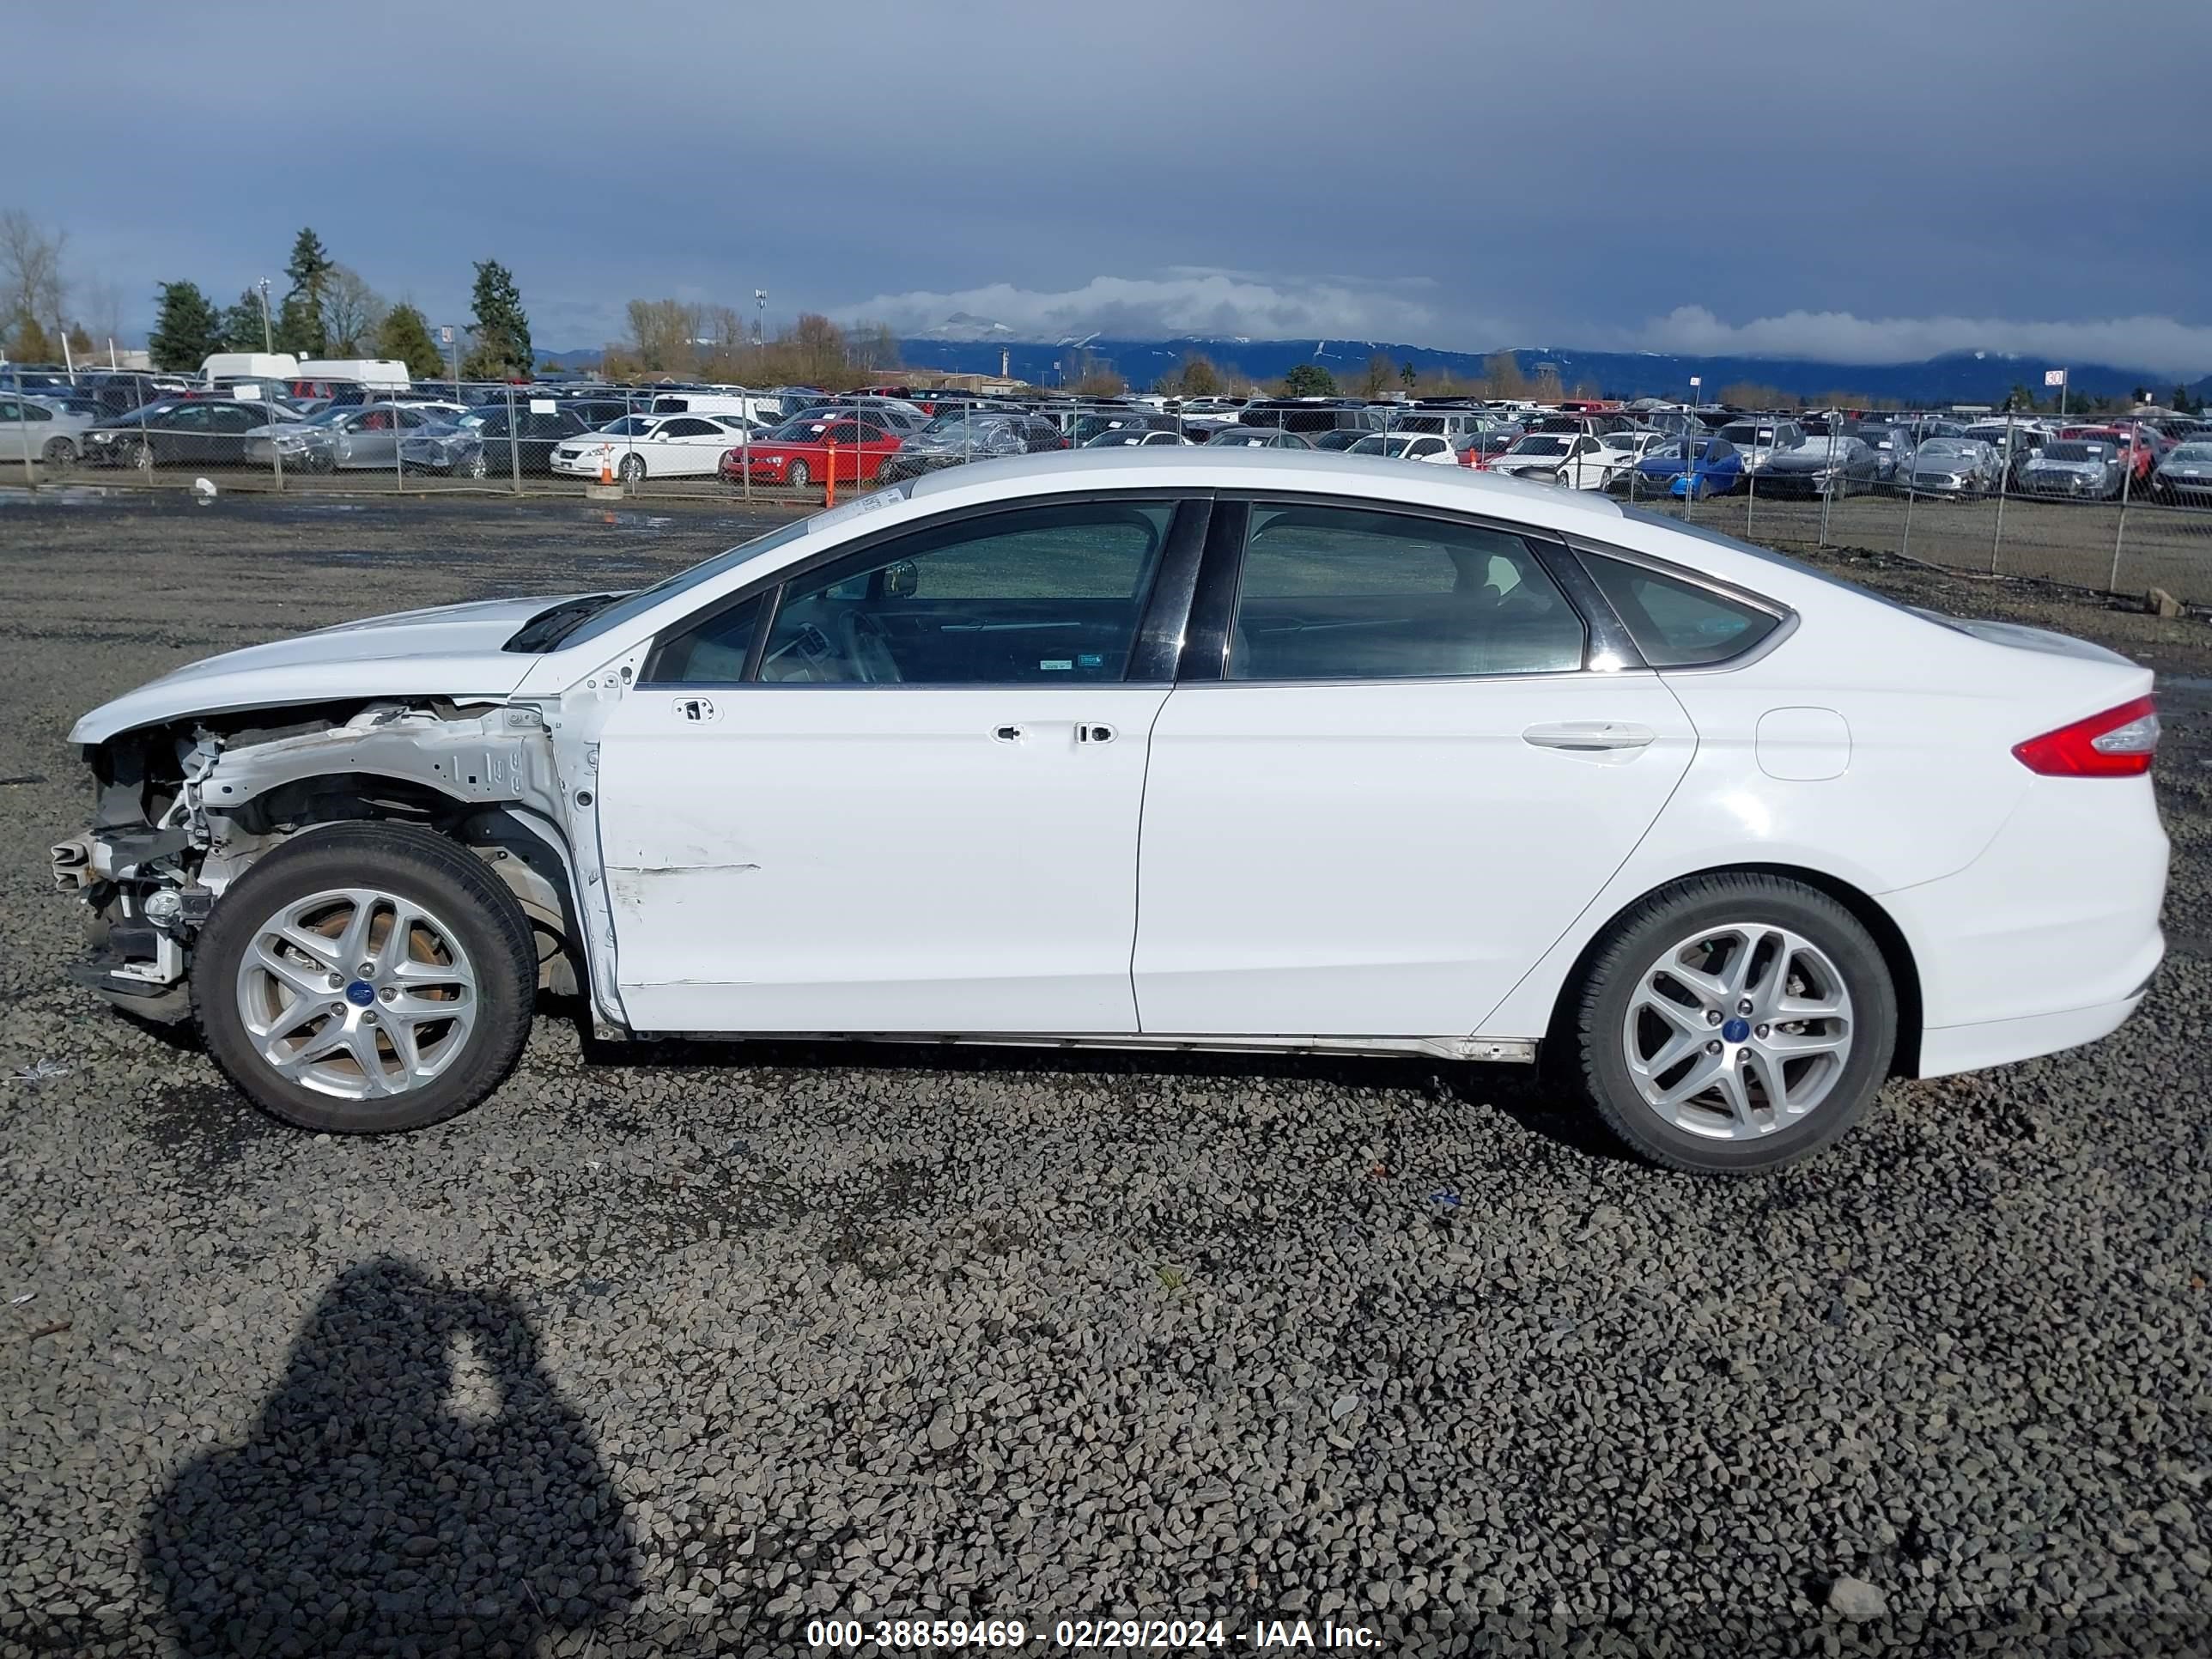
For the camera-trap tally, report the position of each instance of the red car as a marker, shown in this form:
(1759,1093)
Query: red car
(799,452)
(2134,445)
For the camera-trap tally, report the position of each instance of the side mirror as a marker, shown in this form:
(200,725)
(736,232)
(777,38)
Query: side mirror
(902,580)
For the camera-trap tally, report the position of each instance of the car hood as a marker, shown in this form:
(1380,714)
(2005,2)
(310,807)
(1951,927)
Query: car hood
(1815,459)
(2045,464)
(451,651)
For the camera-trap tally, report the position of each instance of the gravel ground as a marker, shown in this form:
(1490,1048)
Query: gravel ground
(666,1350)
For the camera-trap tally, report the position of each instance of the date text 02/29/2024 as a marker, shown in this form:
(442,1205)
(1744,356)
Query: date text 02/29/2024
(1161,1635)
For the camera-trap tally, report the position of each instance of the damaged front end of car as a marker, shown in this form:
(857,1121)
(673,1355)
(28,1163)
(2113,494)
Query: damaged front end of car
(184,809)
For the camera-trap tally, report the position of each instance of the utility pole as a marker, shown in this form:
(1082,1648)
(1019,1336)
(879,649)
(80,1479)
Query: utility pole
(760,327)
(268,333)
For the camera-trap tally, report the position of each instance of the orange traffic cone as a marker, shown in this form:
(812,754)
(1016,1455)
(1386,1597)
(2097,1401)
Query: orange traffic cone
(606,472)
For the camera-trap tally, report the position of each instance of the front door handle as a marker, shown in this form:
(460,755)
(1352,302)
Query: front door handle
(1094,731)
(1008,734)
(1589,735)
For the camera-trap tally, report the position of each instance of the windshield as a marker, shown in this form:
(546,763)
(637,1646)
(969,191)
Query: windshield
(591,625)
(800,432)
(2073,452)
(2192,452)
(632,426)
(1541,446)
(1947,446)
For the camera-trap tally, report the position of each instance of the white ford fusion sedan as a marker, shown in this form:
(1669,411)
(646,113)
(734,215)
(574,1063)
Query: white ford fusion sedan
(1155,748)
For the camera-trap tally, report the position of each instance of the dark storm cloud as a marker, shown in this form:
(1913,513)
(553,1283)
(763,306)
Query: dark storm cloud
(1860,182)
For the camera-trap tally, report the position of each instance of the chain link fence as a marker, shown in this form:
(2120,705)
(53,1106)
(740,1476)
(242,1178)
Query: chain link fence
(2118,503)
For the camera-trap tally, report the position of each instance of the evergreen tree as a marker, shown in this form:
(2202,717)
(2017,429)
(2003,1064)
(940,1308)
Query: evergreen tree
(1309,381)
(300,328)
(186,329)
(501,330)
(1405,374)
(404,336)
(30,343)
(240,326)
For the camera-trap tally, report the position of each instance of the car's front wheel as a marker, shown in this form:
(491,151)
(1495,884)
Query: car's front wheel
(366,977)
(1734,1022)
(798,477)
(633,470)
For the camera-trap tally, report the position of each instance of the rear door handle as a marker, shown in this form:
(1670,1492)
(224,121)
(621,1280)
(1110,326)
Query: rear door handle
(1589,735)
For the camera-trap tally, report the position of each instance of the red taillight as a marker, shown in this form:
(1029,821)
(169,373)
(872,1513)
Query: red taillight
(2120,742)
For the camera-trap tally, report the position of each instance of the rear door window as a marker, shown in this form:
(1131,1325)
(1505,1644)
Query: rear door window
(1347,594)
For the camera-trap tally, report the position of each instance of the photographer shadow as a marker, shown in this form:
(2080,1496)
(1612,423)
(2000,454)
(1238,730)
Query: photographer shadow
(376,1508)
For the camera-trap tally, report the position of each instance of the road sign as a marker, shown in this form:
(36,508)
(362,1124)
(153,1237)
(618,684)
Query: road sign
(1696,379)
(2054,377)
(445,337)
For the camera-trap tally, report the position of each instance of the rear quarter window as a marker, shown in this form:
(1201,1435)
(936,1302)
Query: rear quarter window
(1676,624)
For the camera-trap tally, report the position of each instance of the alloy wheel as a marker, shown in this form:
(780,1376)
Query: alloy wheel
(357,994)
(1738,1030)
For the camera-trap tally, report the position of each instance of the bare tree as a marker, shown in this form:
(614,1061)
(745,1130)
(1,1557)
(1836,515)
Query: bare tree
(32,287)
(100,310)
(352,312)
(662,332)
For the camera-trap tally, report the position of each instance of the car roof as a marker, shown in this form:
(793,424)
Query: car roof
(1205,466)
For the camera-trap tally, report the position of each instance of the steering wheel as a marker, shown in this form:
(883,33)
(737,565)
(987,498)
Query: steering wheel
(867,647)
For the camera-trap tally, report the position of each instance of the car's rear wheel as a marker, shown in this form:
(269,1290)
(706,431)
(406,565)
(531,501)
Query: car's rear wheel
(366,977)
(59,453)
(1734,1022)
(797,477)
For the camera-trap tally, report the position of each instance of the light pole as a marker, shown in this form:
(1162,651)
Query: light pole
(760,327)
(267,335)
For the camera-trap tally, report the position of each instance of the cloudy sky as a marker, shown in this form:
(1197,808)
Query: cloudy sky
(1867,183)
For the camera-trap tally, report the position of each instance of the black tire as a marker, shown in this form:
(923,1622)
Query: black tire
(60,454)
(140,457)
(797,477)
(632,469)
(410,863)
(1597,1012)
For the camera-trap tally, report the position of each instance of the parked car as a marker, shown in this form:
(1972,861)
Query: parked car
(1341,439)
(1692,468)
(1835,465)
(1137,437)
(959,436)
(1573,459)
(31,425)
(801,450)
(2075,467)
(1757,442)
(1091,422)
(2185,474)
(344,435)
(1893,450)
(1751,833)
(1486,449)
(1310,416)
(640,446)
(1254,437)
(1956,466)
(2133,448)
(1423,446)
(184,431)
(2015,442)
(491,440)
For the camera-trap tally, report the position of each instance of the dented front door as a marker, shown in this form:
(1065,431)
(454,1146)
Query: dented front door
(875,858)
